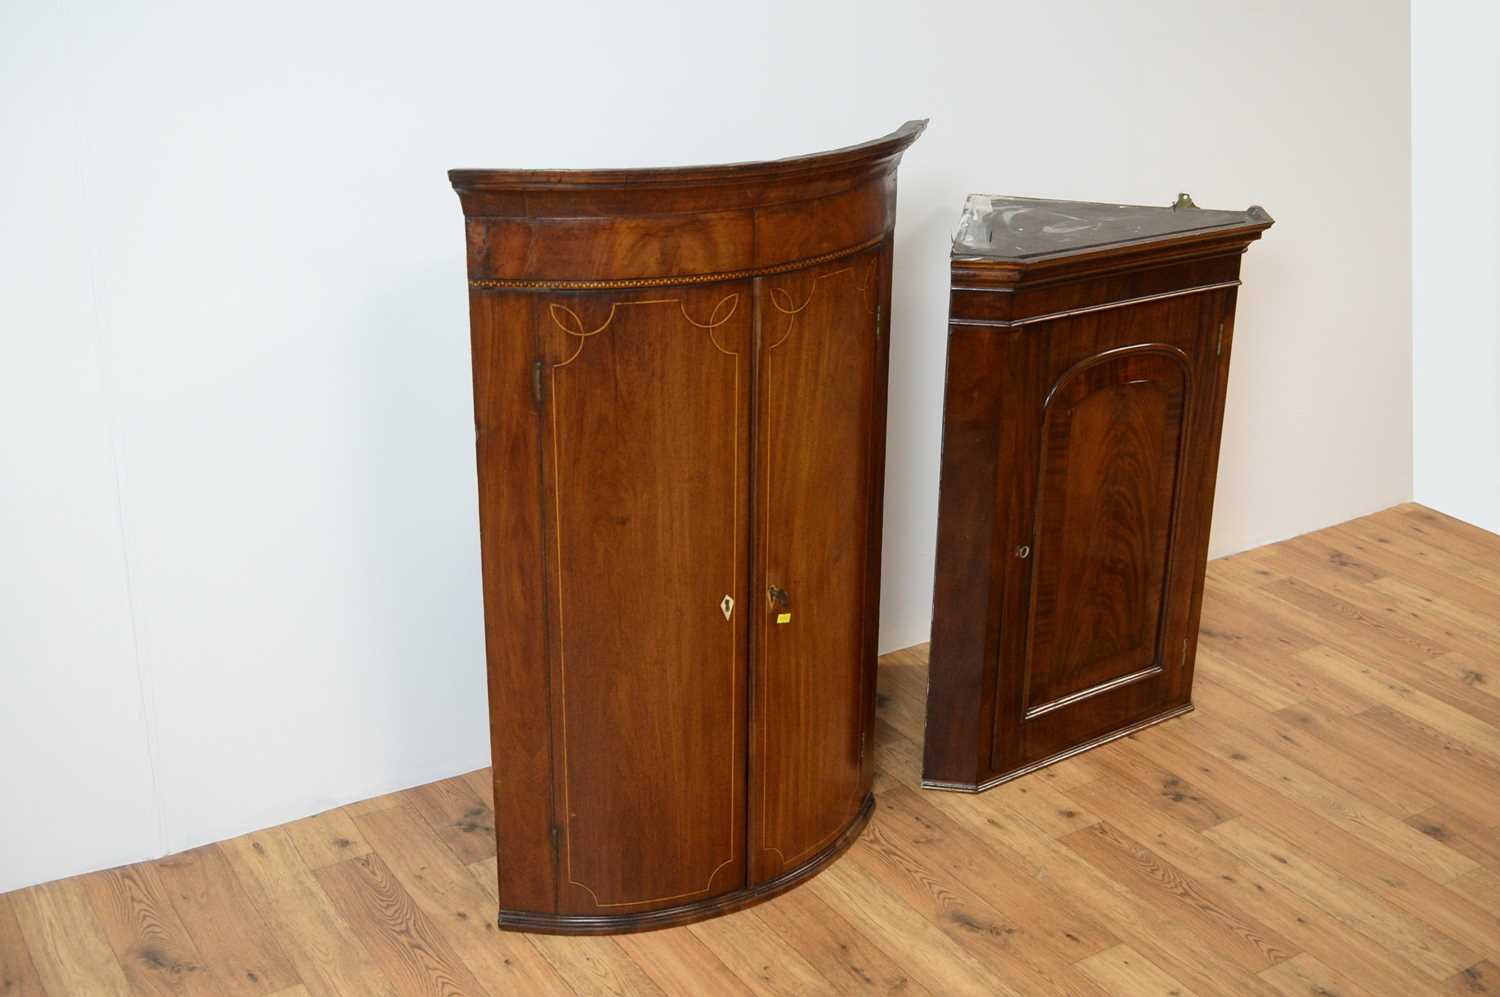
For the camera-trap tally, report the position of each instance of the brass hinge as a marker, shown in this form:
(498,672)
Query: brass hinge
(536,381)
(1219,346)
(878,310)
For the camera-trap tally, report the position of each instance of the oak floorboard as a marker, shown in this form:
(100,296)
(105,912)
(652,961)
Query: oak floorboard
(1475,838)
(411,951)
(1481,887)
(1306,976)
(1370,877)
(68,947)
(1235,937)
(942,965)
(1480,978)
(149,941)
(1123,970)
(236,944)
(1353,772)
(1232,883)
(1433,569)
(1417,699)
(1396,744)
(1326,821)
(1420,943)
(681,965)
(841,953)
(328,954)
(18,973)
(326,838)
(462,819)
(1271,762)
(452,899)
(1437,529)
(595,967)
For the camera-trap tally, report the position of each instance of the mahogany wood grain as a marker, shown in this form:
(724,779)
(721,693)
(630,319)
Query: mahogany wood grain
(646,457)
(681,224)
(508,447)
(679,383)
(815,429)
(1180,857)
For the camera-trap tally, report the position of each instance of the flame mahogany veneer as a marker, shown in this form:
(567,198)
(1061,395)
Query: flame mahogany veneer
(679,397)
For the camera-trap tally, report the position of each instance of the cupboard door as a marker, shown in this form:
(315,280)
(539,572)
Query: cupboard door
(1097,623)
(646,461)
(817,380)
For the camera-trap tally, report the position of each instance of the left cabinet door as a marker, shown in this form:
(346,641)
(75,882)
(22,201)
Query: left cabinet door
(645,467)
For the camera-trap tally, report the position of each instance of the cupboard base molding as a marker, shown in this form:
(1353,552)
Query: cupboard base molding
(587,924)
(1027,769)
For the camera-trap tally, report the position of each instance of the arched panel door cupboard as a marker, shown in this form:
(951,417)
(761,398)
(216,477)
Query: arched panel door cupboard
(1088,358)
(679,391)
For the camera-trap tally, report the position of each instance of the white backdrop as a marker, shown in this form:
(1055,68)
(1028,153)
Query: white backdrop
(1456,257)
(238,531)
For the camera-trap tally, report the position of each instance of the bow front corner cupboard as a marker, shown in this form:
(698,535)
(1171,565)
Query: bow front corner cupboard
(679,395)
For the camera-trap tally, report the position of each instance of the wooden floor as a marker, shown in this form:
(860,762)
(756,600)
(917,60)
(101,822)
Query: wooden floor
(1325,823)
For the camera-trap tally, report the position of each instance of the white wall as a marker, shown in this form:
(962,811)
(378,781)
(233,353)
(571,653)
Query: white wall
(1299,107)
(240,541)
(1456,257)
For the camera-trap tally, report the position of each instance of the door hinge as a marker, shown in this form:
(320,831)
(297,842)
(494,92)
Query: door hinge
(556,839)
(536,381)
(878,310)
(1219,346)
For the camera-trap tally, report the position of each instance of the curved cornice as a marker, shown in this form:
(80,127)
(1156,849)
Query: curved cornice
(597,229)
(776,170)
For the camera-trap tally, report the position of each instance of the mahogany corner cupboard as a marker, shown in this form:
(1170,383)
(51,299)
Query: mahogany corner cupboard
(679,397)
(1088,354)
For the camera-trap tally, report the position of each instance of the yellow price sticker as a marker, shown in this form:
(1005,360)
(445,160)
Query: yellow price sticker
(783,617)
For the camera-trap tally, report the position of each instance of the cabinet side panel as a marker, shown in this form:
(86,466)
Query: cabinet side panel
(877,511)
(972,509)
(818,371)
(507,443)
(1219,337)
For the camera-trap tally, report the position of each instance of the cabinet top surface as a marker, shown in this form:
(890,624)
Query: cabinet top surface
(768,171)
(1026,228)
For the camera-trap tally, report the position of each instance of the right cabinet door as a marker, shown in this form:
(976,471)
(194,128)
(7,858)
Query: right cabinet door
(1112,526)
(814,469)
